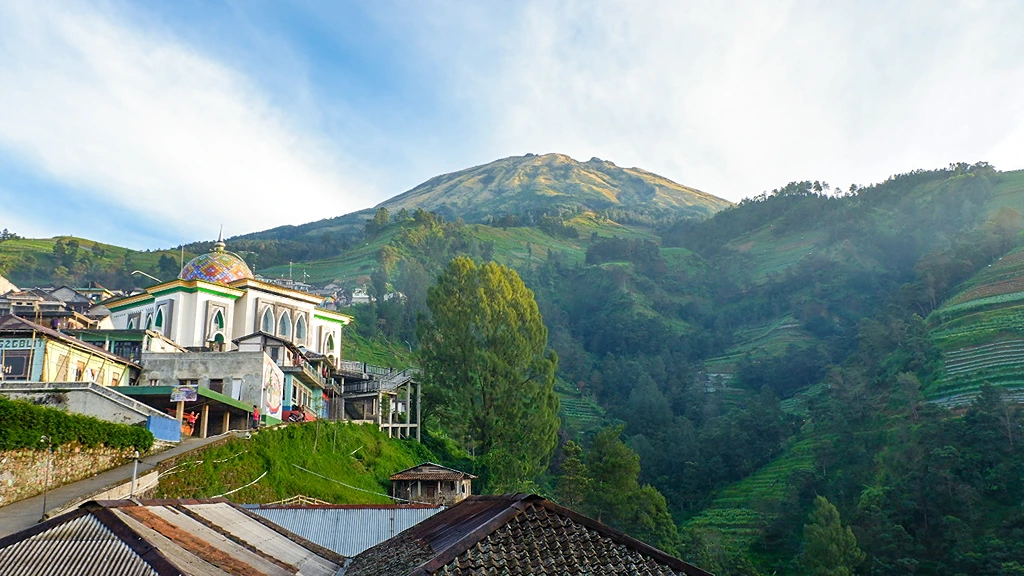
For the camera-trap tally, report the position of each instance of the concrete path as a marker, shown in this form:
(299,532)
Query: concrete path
(23,514)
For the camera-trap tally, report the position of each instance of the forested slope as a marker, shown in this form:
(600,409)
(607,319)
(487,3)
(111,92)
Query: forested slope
(785,348)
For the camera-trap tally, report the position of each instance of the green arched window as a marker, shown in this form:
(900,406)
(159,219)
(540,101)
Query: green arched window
(267,323)
(300,328)
(218,320)
(159,322)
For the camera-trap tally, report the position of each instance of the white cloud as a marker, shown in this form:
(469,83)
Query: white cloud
(148,124)
(733,98)
(736,98)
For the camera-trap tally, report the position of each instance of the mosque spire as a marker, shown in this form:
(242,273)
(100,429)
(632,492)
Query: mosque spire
(219,245)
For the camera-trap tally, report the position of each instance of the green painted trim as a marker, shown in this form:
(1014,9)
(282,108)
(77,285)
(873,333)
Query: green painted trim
(194,289)
(344,320)
(165,391)
(141,300)
(224,399)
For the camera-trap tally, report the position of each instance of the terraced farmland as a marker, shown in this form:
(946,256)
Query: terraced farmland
(774,255)
(997,363)
(765,339)
(737,515)
(579,412)
(981,333)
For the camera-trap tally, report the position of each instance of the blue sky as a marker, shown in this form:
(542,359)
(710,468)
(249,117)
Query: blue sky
(145,124)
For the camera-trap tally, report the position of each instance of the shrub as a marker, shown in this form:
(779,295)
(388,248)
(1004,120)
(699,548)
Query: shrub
(22,424)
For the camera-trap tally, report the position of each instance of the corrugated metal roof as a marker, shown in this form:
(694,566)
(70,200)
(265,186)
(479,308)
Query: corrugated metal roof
(347,531)
(163,537)
(83,546)
(266,540)
(203,541)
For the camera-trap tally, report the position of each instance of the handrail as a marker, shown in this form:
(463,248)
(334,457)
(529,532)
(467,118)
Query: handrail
(390,383)
(365,368)
(104,391)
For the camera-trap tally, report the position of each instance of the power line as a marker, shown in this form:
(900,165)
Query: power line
(360,489)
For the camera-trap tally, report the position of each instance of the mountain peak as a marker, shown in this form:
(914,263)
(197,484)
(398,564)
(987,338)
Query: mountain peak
(552,181)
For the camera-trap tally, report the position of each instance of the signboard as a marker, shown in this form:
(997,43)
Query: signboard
(21,343)
(184,394)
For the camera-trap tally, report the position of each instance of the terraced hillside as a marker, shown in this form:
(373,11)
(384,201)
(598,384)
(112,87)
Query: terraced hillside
(739,513)
(34,261)
(980,332)
(579,412)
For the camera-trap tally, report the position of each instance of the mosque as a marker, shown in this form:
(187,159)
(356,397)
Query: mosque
(217,300)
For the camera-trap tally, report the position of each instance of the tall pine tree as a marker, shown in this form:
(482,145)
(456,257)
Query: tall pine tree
(488,374)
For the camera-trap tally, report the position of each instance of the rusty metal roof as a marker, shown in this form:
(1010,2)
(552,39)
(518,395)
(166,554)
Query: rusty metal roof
(431,471)
(347,530)
(157,537)
(514,534)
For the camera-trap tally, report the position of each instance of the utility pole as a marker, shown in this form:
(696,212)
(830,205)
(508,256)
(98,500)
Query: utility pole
(135,474)
(46,480)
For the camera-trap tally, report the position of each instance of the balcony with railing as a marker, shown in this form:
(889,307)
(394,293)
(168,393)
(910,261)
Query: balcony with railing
(306,372)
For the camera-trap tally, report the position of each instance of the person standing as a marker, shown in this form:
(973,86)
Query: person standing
(255,417)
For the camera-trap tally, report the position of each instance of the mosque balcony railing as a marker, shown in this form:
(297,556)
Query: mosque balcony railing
(308,373)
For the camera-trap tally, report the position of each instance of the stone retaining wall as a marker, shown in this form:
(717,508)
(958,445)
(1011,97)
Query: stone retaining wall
(23,472)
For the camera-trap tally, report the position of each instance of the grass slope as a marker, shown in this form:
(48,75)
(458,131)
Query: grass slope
(30,261)
(512,247)
(358,455)
(519,184)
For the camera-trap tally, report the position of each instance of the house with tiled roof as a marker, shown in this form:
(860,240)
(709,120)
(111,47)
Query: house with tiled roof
(514,534)
(431,483)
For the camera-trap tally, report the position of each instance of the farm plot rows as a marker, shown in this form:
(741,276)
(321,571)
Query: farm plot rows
(735,515)
(997,363)
(979,328)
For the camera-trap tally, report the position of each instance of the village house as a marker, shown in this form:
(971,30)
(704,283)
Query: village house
(53,369)
(431,483)
(514,534)
(33,352)
(163,537)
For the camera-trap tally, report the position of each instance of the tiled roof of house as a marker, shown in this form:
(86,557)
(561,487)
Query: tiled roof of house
(514,534)
(431,471)
(161,537)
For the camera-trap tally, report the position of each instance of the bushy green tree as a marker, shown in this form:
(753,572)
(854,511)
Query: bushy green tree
(616,497)
(488,375)
(829,549)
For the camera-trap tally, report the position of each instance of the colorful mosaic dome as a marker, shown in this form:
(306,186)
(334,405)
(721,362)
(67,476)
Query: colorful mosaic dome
(218,266)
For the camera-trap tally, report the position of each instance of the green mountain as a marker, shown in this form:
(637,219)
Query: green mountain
(552,182)
(525,186)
